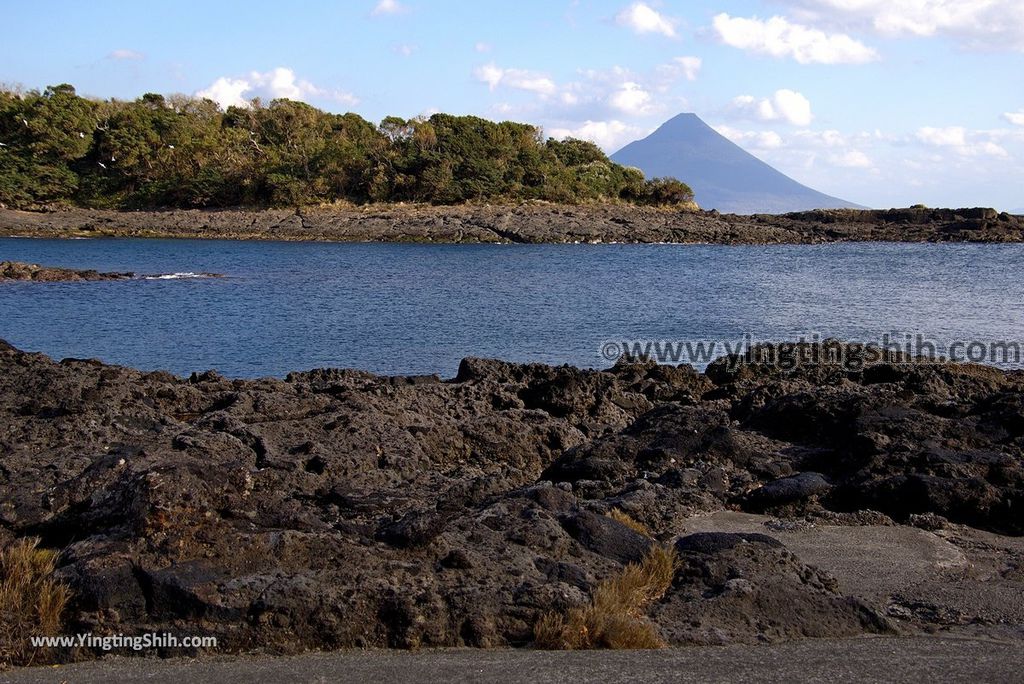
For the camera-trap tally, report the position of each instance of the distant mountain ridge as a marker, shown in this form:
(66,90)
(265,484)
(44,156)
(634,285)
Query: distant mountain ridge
(723,175)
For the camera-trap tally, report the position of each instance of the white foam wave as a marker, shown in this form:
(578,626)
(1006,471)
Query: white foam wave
(179,276)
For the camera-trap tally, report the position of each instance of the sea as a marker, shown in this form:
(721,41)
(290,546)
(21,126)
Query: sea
(401,309)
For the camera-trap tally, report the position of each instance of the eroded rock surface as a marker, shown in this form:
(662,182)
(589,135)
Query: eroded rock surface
(338,508)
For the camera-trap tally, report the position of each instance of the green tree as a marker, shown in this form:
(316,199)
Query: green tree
(180,151)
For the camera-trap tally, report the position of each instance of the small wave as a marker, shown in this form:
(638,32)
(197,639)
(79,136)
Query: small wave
(181,276)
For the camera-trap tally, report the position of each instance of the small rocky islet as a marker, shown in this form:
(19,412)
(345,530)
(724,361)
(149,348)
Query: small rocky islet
(336,508)
(16,270)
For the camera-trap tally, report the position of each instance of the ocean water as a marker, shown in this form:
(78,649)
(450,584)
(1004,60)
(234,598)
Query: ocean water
(398,309)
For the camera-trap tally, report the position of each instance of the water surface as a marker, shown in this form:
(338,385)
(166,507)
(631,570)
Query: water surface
(395,308)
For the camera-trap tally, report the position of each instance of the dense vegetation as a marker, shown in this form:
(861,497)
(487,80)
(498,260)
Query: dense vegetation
(59,148)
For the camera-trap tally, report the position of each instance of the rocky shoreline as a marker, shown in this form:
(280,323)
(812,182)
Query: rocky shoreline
(336,508)
(525,223)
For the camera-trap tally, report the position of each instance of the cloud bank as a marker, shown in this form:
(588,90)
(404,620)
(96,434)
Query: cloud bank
(778,37)
(989,25)
(785,105)
(268,85)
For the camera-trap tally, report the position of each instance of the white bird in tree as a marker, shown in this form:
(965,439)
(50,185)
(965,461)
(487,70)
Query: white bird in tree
(102,164)
(25,121)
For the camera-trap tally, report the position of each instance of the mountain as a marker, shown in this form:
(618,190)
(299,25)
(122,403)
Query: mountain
(722,174)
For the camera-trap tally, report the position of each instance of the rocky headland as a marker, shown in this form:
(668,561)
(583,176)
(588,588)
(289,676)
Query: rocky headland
(525,223)
(335,508)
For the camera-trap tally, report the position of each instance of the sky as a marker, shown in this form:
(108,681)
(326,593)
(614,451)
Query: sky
(881,102)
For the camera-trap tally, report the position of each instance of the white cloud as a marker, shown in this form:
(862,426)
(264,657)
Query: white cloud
(631,99)
(1016,118)
(126,55)
(227,92)
(991,149)
(785,105)
(830,138)
(963,142)
(979,24)
(276,83)
(482,47)
(405,49)
(385,7)
(940,166)
(950,136)
(680,67)
(610,92)
(608,135)
(642,18)
(518,79)
(806,149)
(758,140)
(851,159)
(597,102)
(778,37)
(489,74)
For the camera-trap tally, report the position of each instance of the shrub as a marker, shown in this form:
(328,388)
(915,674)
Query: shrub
(664,191)
(32,602)
(616,617)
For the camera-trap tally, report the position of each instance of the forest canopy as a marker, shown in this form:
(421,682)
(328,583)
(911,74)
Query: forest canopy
(58,148)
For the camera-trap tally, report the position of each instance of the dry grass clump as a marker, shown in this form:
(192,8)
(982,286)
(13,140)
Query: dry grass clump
(31,602)
(626,519)
(616,616)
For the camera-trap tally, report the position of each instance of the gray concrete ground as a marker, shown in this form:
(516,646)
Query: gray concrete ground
(878,659)
(973,575)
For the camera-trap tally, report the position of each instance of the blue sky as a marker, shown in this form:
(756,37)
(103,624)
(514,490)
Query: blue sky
(883,102)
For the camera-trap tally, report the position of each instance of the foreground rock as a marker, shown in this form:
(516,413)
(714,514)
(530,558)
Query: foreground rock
(16,270)
(337,508)
(526,223)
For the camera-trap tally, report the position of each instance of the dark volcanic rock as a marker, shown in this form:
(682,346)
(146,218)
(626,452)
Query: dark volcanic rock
(786,491)
(607,537)
(338,508)
(713,542)
(14,270)
(413,530)
(526,223)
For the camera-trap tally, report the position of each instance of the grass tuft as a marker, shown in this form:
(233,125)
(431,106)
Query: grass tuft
(629,521)
(616,617)
(32,602)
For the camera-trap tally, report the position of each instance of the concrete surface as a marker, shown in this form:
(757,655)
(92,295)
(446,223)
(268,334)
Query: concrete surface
(878,659)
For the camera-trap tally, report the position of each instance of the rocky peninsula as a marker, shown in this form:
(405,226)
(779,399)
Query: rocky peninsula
(335,508)
(524,223)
